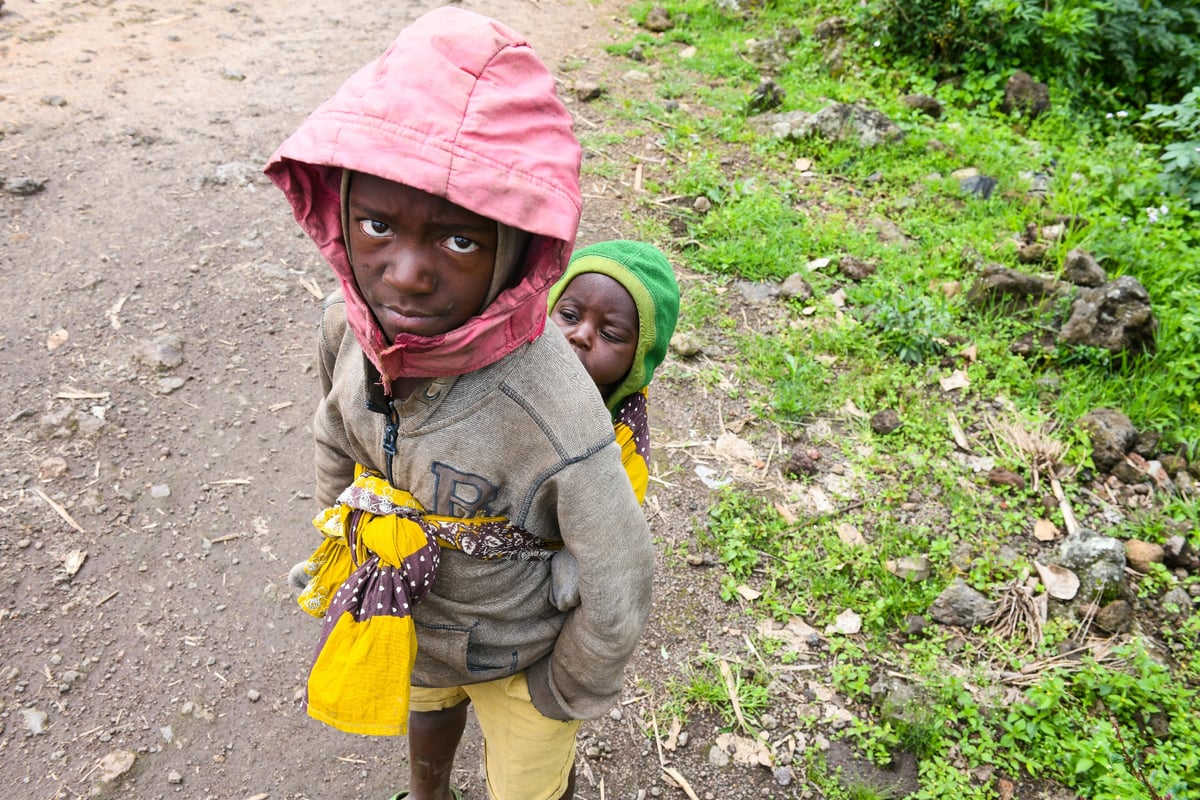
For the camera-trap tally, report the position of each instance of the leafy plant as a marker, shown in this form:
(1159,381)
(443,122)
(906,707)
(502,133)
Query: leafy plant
(1111,52)
(1181,159)
(911,327)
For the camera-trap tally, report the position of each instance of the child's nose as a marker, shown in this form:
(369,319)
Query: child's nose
(580,336)
(407,272)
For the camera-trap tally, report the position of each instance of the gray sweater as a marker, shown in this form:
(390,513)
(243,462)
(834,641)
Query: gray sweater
(529,439)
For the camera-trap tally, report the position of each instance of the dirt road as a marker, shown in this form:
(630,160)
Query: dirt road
(156,338)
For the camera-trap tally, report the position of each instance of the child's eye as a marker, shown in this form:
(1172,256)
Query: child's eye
(461,244)
(567,315)
(615,338)
(374,228)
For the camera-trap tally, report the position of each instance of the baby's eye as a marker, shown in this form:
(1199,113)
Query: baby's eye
(374,228)
(461,244)
(610,336)
(567,315)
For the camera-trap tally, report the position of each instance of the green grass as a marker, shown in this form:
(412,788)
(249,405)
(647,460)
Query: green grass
(885,342)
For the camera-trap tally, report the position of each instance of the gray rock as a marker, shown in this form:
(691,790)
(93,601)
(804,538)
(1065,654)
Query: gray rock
(587,91)
(999,285)
(856,269)
(686,344)
(795,286)
(115,764)
(1178,552)
(1116,617)
(1024,95)
(838,122)
(717,757)
(1146,444)
(895,699)
(35,720)
(766,96)
(923,103)
(885,422)
(232,173)
(1116,316)
(1099,561)
(910,568)
(1112,436)
(1177,599)
(165,352)
(659,20)
(982,185)
(756,292)
(772,55)
(169,384)
(24,186)
(831,28)
(1082,269)
(961,605)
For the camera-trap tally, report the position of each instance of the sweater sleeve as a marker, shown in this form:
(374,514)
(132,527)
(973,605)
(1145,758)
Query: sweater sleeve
(603,527)
(334,466)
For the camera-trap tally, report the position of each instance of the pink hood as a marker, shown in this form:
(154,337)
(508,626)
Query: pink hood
(461,107)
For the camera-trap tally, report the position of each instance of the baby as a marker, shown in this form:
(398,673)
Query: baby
(617,305)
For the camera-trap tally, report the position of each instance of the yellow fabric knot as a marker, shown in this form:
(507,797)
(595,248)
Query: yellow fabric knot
(376,561)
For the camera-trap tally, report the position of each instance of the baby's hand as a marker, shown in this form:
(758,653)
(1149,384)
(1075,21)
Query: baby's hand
(564,581)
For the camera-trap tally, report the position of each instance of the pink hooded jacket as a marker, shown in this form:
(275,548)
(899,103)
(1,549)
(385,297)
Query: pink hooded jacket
(479,125)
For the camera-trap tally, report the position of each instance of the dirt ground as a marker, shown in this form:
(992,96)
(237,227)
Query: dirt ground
(158,329)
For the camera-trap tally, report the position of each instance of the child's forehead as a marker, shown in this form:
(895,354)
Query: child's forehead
(597,280)
(599,288)
(376,190)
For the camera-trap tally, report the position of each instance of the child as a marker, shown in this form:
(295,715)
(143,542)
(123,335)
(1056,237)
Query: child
(441,184)
(617,305)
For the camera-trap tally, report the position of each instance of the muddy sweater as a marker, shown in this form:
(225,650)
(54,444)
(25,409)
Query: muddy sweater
(526,438)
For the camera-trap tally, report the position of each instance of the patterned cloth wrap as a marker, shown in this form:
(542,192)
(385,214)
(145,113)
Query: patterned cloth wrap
(379,557)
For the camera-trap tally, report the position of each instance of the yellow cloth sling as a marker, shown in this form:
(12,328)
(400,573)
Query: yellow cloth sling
(379,557)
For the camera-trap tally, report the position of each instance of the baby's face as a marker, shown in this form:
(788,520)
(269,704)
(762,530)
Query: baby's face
(600,320)
(423,264)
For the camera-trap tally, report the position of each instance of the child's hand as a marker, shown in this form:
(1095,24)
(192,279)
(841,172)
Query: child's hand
(564,581)
(299,576)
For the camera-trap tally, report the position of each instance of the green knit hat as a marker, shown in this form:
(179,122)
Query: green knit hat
(647,275)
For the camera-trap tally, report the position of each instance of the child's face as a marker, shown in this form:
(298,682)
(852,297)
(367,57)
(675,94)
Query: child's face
(423,264)
(600,320)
